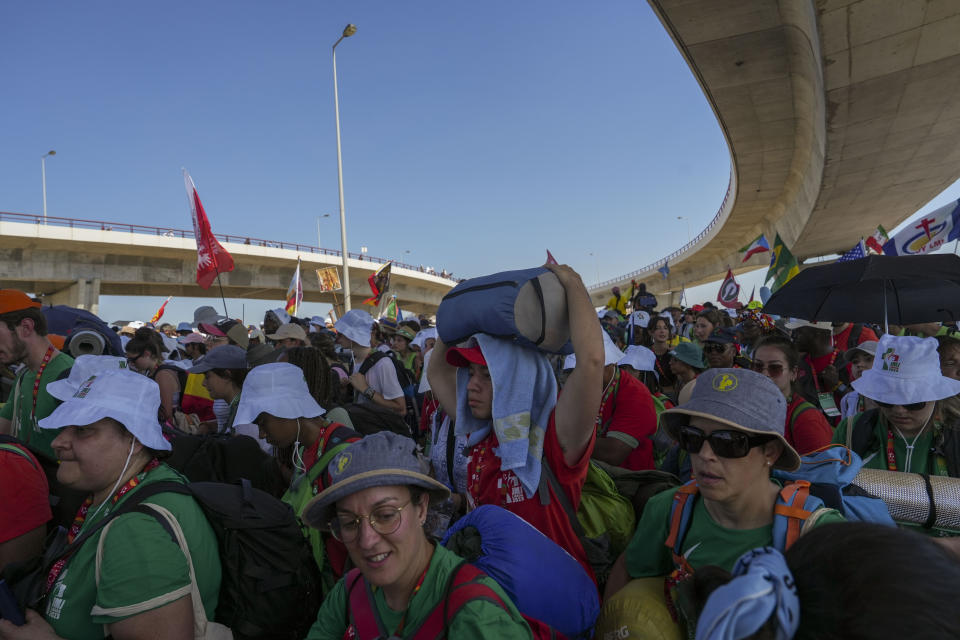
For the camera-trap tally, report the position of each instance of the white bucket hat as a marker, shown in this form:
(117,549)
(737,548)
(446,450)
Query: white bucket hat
(129,398)
(611,353)
(639,319)
(640,358)
(906,370)
(796,323)
(84,367)
(277,388)
(423,335)
(356,326)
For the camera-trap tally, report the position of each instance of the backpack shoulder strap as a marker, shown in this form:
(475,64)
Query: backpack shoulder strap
(794,505)
(548,481)
(463,586)
(860,431)
(11,444)
(803,407)
(361,613)
(451,451)
(681,511)
(371,360)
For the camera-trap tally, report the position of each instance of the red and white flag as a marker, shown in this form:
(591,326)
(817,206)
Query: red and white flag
(294,292)
(159,314)
(212,259)
(550,258)
(729,292)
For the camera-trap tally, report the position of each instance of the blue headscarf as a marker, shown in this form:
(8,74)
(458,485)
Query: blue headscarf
(762,587)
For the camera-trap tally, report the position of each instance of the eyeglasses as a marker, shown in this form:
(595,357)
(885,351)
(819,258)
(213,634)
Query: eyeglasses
(714,347)
(383,520)
(915,406)
(775,368)
(726,443)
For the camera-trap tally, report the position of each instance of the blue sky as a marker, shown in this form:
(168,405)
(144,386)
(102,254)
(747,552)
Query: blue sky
(474,135)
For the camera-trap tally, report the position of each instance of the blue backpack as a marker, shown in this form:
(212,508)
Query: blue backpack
(831,472)
(527,306)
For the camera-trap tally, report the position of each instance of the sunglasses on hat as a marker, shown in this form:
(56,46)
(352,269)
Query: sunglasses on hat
(914,406)
(726,443)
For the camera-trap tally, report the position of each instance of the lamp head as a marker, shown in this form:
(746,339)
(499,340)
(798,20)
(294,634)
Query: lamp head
(349,30)
(50,153)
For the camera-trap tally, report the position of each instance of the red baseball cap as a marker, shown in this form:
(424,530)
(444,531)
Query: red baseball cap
(212,330)
(15,300)
(464,356)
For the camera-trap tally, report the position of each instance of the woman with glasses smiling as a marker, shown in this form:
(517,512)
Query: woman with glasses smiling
(904,432)
(806,428)
(732,429)
(403,583)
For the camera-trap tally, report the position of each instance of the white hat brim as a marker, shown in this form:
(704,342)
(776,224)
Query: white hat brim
(81,413)
(278,405)
(900,390)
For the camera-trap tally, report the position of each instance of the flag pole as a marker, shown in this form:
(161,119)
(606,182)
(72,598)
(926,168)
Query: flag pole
(219,284)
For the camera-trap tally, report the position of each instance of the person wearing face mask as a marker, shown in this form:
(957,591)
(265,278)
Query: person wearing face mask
(128,579)
(806,428)
(732,430)
(905,432)
(403,584)
(275,397)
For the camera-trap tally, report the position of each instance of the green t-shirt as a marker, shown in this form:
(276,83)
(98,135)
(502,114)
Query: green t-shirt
(477,619)
(919,459)
(141,563)
(706,542)
(38,440)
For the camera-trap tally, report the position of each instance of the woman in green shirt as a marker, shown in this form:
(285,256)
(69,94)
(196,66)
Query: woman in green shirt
(904,432)
(377,505)
(732,429)
(129,580)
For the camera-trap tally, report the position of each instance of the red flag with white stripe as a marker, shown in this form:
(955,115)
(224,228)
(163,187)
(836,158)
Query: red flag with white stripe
(212,259)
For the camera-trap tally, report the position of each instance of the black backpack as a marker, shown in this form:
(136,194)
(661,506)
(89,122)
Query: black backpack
(407,384)
(270,584)
(225,458)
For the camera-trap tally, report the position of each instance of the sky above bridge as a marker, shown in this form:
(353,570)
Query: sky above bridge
(475,135)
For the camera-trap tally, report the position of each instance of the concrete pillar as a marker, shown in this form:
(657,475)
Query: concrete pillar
(82,294)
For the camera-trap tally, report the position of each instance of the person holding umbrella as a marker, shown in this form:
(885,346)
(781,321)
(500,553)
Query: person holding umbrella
(905,431)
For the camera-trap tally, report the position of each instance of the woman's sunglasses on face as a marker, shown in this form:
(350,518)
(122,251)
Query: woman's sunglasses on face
(775,368)
(726,443)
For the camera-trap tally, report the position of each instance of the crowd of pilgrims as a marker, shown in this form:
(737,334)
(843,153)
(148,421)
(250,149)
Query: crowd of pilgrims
(384,441)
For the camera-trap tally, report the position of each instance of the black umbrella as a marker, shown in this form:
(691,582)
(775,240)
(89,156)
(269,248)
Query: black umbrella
(877,289)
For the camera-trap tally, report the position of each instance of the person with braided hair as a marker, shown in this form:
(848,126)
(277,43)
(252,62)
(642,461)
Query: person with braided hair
(322,382)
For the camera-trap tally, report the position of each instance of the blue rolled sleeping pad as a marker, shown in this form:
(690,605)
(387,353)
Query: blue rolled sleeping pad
(543,580)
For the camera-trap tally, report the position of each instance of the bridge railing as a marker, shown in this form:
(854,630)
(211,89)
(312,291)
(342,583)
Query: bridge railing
(166,232)
(666,259)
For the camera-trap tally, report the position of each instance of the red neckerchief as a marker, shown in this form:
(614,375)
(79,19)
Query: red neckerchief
(81,517)
(47,357)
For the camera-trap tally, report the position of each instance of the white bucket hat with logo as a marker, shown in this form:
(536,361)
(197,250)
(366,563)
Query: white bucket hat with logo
(356,326)
(84,367)
(277,388)
(906,370)
(131,399)
(640,358)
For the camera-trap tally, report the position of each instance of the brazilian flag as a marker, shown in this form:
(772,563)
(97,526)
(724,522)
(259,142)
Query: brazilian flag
(783,265)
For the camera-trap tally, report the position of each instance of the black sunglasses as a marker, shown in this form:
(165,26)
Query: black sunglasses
(714,347)
(915,406)
(726,443)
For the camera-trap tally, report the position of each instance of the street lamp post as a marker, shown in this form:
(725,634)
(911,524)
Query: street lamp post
(319,218)
(687,220)
(43,179)
(348,31)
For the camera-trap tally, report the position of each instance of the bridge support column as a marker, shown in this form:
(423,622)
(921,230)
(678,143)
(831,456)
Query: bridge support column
(82,294)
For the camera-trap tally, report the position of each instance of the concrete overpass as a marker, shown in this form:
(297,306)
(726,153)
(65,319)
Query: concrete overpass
(75,261)
(839,115)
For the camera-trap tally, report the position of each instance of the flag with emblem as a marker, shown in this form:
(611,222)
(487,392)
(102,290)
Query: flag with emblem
(859,251)
(759,245)
(926,234)
(783,265)
(212,259)
(294,292)
(379,284)
(729,291)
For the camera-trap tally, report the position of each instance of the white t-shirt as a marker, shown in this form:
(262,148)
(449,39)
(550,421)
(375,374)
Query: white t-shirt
(382,377)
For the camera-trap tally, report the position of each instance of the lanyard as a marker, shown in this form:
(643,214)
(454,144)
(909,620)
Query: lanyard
(81,517)
(939,462)
(398,633)
(610,391)
(816,376)
(36,383)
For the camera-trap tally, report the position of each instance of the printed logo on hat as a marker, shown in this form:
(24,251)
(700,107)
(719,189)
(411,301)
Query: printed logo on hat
(343,461)
(891,361)
(725,382)
(84,388)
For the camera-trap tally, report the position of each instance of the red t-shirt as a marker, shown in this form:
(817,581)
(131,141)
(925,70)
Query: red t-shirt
(809,431)
(841,340)
(631,411)
(24,494)
(487,484)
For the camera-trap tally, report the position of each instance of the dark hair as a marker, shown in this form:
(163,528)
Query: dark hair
(317,372)
(14,318)
(200,345)
(323,341)
(712,316)
(784,345)
(236,376)
(946,342)
(657,319)
(146,340)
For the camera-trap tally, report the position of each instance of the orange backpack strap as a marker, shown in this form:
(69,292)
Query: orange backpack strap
(679,516)
(790,508)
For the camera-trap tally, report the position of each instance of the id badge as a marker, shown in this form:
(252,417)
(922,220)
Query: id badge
(828,405)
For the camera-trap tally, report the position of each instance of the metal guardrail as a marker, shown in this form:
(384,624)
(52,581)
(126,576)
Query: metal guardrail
(75,223)
(700,236)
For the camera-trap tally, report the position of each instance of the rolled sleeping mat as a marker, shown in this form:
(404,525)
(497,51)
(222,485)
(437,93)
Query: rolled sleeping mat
(912,498)
(639,610)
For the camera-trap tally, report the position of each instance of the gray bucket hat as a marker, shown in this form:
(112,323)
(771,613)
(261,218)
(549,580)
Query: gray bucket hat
(378,460)
(743,399)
